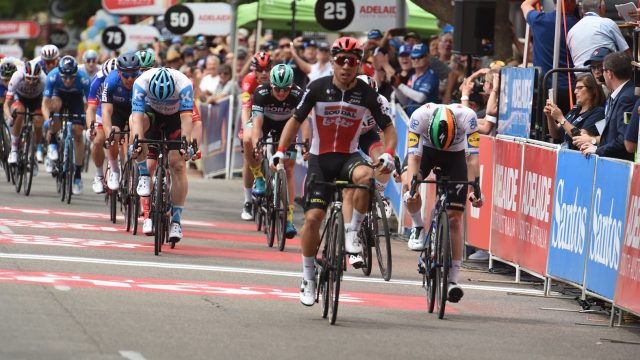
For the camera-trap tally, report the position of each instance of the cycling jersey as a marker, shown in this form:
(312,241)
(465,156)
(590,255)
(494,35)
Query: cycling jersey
(55,85)
(95,91)
(249,85)
(466,136)
(368,121)
(115,93)
(3,90)
(427,84)
(265,104)
(20,87)
(180,101)
(337,121)
(91,74)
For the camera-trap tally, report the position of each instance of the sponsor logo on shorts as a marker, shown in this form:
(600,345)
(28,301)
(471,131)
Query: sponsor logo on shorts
(473,140)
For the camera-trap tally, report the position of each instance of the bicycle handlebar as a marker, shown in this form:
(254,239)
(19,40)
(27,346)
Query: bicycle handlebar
(181,144)
(342,184)
(445,181)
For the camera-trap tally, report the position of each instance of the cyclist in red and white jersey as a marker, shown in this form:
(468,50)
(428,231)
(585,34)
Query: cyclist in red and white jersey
(339,103)
(441,136)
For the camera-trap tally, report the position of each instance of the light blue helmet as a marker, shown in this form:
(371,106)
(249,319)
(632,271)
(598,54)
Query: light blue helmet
(89,54)
(162,85)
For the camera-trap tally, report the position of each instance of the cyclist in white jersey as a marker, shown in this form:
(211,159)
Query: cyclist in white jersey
(163,101)
(439,136)
(89,64)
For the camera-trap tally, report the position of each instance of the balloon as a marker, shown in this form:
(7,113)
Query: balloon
(83,35)
(100,24)
(90,21)
(92,32)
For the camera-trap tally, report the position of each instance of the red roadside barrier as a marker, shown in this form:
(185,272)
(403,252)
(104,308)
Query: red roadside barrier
(479,219)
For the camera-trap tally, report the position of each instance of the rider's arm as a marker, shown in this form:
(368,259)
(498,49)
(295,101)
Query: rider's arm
(186,109)
(92,100)
(305,131)
(8,100)
(473,144)
(289,133)
(247,98)
(256,130)
(380,109)
(107,111)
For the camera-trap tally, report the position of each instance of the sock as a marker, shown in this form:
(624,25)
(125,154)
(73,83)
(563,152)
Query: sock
(115,166)
(454,271)
(256,171)
(380,186)
(247,195)
(76,176)
(144,202)
(14,143)
(356,221)
(142,168)
(99,171)
(416,219)
(308,267)
(290,213)
(177,213)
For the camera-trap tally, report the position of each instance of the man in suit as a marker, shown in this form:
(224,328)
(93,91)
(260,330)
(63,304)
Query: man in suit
(617,70)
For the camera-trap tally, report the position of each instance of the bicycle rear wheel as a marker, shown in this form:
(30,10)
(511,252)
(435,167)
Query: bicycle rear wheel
(126,196)
(5,148)
(71,167)
(30,163)
(113,202)
(429,280)
(337,265)
(282,208)
(381,236)
(325,266)
(19,168)
(367,241)
(270,214)
(444,261)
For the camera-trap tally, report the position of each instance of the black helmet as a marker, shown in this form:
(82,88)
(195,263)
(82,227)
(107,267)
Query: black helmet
(68,65)
(128,62)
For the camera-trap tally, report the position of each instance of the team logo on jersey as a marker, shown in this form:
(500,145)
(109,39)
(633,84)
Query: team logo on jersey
(413,140)
(473,140)
(138,95)
(246,97)
(414,124)
(186,97)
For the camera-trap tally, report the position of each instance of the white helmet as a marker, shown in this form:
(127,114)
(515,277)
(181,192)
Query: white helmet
(369,81)
(109,65)
(49,52)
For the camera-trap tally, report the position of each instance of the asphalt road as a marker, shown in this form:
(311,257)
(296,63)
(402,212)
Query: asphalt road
(74,286)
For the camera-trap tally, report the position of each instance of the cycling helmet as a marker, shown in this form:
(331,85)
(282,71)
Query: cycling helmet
(128,62)
(49,52)
(7,69)
(370,81)
(109,66)
(442,128)
(261,60)
(162,85)
(281,76)
(347,45)
(32,69)
(147,59)
(68,65)
(89,54)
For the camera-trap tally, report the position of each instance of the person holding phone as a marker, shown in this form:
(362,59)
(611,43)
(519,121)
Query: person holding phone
(583,117)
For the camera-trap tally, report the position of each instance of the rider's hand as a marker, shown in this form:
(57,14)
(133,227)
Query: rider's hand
(474,201)
(8,119)
(278,155)
(305,152)
(388,163)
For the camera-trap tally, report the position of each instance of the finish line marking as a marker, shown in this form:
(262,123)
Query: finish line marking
(237,270)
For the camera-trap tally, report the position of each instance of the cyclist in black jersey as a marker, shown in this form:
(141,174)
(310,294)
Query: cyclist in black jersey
(339,103)
(273,105)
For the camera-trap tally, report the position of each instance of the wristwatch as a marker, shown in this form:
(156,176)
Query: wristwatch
(593,141)
(562,121)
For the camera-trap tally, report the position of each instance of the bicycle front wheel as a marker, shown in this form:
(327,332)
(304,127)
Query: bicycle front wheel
(270,213)
(367,241)
(71,167)
(282,208)
(381,236)
(31,163)
(336,264)
(444,261)
(158,210)
(5,148)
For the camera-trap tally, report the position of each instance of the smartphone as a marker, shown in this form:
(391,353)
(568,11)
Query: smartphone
(575,132)
(398,32)
(550,97)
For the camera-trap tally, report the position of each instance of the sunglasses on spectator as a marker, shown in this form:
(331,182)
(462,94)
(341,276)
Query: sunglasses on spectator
(130,74)
(346,60)
(262,69)
(281,89)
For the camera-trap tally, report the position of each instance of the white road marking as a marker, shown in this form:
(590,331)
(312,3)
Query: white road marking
(5,230)
(62,287)
(131,355)
(238,270)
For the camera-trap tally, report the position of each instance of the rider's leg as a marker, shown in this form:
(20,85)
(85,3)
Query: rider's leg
(361,175)
(17,125)
(179,184)
(54,107)
(455,230)
(311,240)
(97,150)
(247,176)
(289,168)
(78,139)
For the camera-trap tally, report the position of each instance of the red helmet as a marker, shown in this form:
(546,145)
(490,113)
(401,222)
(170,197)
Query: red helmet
(347,45)
(261,60)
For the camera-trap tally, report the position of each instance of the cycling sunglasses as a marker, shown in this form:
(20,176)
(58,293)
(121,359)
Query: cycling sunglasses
(130,74)
(262,69)
(91,61)
(281,89)
(68,77)
(351,61)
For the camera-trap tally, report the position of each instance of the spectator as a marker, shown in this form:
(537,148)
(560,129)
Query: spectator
(173,59)
(224,87)
(458,66)
(593,32)
(187,56)
(210,79)
(588,111)
(423,83)
(286,57)
(542,25)
(617,73)
(200,52)
(322,66)
(631,137)
(374,40)
(310,53)
(445,46)
(595,64)
(412,39)
(433,46)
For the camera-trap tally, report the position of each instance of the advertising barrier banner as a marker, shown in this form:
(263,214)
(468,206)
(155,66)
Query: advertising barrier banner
(214,134)
(506,197)
(479,219)
(394,190)
(628,283)
(516,100)
(571,216)
(137,7)
(607,225)
(19,29)
(534,226)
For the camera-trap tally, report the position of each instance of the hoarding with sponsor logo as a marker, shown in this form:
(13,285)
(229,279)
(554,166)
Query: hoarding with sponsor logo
(215,121)
(516,101)
(19,29)
(571,216)
(534,225)
(506,198)
(356,15)
(628,283)
(479,219)
(129,37)
(607,225)
(11,51)
(137,7)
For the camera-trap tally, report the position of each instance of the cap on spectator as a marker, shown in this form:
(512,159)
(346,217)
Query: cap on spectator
(447,29)
(412,34)
(405,50)
(242,32)
(324,46)
(187,51)
(419,50)
(374,34)
(201,44)
(172,55)
(176,40)
(598,55)
(310,43)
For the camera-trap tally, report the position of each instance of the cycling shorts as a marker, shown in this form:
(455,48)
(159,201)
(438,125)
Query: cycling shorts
(119,120)
(73,102)
(328,167)
(369,141)
(170,124)
(30,105)
(452,164)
